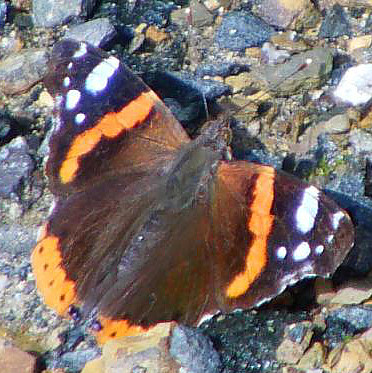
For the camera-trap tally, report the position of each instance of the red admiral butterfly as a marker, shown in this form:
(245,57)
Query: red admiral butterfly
(150,226)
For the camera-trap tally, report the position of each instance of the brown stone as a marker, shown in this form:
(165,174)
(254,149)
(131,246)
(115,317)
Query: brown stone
(12,359)
(148,351)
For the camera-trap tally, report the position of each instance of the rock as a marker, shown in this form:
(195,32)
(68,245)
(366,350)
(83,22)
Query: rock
(98,32)
(296,340)
(50,13)
(287,14)
(335,23)
(355,87)
(361,141)
(165,348)
(14,360)
(20,71)
(200,16)
(354,356)
(313,358)
(272,55)
(241,30)
(15,166)
(363,41)
(303,71)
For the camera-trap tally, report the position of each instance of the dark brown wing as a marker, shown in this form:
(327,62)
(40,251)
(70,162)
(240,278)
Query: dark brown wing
(276,231)
(107,120)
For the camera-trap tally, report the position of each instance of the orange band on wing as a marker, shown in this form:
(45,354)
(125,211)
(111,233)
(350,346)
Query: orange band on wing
(51,279)
(115,329)
(110,126)
(259,225)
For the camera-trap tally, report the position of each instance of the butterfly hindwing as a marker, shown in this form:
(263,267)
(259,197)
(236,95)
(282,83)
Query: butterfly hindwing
(286,230)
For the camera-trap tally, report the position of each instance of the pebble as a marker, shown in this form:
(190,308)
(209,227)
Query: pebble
(50,13)
(355,87)
(166,348)
(10,44)
(98,32)
(286,14)
(361,141)
(13,360)
(272,55)
(288,78)
(15,167)
(335,23)
(22,70)
(200,16)
(241,30)
(296,340)
(313,358)
(363,41)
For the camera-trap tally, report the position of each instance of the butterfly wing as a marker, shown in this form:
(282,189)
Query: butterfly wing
(107,120)
(112,137)
(276,231)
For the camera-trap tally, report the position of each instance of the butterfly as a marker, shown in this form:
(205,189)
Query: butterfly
(150,226)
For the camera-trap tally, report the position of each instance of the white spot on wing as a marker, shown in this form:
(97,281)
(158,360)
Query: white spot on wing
(319,250)
(79,118)
(301,252)
(66,81)
(98,78)
(336,218)
(308,209)
(69,66)
(81,51)
(281,252)
(72,99)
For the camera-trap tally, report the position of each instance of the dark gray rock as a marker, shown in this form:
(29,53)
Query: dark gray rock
(335,23)
(16,166)
(346,322)
(98,32)
(242,30)
(50,13)
(193,351)
(296,75)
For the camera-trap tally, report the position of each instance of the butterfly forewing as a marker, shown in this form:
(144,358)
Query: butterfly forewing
(107,120)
